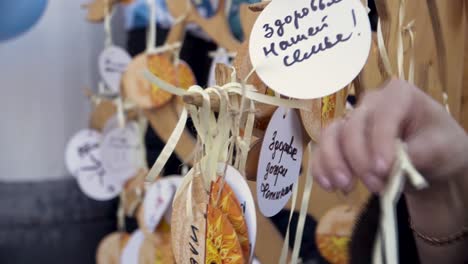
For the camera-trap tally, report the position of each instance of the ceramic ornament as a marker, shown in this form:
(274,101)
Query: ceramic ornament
(111,247)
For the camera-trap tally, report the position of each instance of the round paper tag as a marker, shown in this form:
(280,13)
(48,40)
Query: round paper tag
(158,200)
(309,49)
(83,159)
(113,62)
(280,161)
(79,150)
(132,249)
(121,151)
(242,191)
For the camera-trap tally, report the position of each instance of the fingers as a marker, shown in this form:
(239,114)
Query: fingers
(333,165)
(356,146)
(364,145)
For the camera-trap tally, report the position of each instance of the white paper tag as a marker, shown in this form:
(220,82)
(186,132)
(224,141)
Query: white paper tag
(121,151)
(242,191)
(221,56)
(131,250)
(80,148)
(158,200)
(280,161)
(308,49)
(113,62)
(83,160)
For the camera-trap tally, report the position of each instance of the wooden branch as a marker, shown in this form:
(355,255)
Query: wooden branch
(197,100)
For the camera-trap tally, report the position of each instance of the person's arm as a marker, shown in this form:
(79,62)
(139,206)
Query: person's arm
(364,145)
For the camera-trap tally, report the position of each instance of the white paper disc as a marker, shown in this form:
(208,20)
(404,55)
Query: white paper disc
(280,161)
(308,49)
(113,62)
(78,149)
(121,151)
(131,250)
(158,200)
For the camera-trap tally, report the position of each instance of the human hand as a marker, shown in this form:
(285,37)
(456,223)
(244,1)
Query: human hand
(364,145)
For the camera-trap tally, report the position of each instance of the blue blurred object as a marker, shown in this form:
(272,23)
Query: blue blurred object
(18,16)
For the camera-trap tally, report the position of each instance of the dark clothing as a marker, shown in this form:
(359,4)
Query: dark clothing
(362,241)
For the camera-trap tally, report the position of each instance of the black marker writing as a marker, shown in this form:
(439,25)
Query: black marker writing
(194,239)
(277,145)
(269,195)
(326,44)
(275,170)
(285,44)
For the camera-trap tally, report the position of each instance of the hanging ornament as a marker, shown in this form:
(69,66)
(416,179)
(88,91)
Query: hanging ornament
(333,233)
(110,248)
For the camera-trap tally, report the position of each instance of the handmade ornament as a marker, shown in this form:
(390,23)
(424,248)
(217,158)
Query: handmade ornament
(121,151)
(135,87)
(80,151)
(313,41)
(242,192)
(188,222)
(222,242)
(131,251)
(162,67)
(280,161)
(333,234)
(223,198)
(323,111)
(113,61)
(158,201)
(157,250)
(111,247)
(84,161)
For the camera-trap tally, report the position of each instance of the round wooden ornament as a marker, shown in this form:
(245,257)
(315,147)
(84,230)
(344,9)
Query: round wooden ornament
(157,247)
(252,159)
(334,232)
(135,87)
(161,66)
(111,247)
(243,67)
(188,221)
(323,112)
(223,198)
